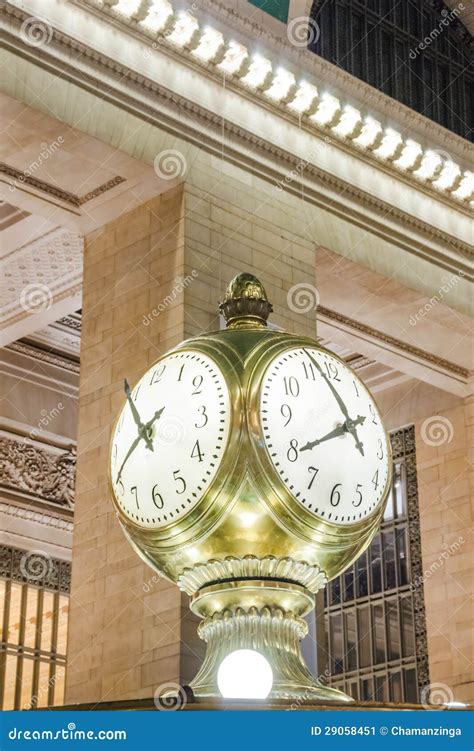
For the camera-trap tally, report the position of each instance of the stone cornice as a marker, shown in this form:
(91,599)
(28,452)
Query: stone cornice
(151,101)
(459,373)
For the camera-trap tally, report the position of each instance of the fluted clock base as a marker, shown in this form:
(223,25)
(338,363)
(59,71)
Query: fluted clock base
(273,631)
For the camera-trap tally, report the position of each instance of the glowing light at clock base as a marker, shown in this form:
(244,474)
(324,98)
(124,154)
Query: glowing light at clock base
(245,674)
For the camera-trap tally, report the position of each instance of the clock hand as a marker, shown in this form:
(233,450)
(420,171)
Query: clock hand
(137,440)
(340,430)
(328,381)
(351,423)
(346,427)
(141,427)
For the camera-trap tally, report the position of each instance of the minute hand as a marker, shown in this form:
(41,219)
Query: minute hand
(328,381)
(349,423)
(137,440)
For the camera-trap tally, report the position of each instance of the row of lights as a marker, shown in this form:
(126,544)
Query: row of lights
(304,99)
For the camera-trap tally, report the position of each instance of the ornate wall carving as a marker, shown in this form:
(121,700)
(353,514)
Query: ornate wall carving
(46,475)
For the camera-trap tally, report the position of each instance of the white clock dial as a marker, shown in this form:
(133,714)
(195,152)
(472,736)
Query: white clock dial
(167,447)
(324,435)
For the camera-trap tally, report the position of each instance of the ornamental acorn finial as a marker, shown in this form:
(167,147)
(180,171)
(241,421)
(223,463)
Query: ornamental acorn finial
(245,304)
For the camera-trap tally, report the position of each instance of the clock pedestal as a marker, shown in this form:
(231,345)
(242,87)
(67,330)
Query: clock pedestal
(265,616)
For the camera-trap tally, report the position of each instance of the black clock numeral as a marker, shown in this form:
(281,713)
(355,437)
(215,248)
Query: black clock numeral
(134,490)
(372,412)
(375,480)
(315,472)
(157,498)
(292,386)
(122,488)
(309,371)
(359,493)
(292,453)
(203,413)
(356,389)
(285,410)
(120,423)
(197,383)
(196,452)
(335,494)
(332,371)
(181,371)
(177,478)
(114,452)
(135,393)
(157,375)
(380,451)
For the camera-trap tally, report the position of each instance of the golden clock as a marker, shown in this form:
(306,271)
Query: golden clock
(250,466)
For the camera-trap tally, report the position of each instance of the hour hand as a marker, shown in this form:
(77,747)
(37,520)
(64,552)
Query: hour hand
(339,430)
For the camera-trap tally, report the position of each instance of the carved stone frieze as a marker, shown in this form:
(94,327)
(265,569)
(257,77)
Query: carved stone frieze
(38,472)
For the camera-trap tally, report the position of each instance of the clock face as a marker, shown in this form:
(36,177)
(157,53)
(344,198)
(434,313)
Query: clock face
(324,435)
(169,439)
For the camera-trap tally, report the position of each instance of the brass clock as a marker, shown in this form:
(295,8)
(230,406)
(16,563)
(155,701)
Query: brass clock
(251,466)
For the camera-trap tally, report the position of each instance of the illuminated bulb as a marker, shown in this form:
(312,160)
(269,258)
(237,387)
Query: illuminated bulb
(211,46)
(328,111)
(283,86)
(430,167)
(127,7)
(370,135)
(455,704)
(411,156)
(185,31)
(305,101)
(245,674)
(159,16)
(391,146)
(449,178)
(236,60)
(350,123)
(259,74)
(466,187)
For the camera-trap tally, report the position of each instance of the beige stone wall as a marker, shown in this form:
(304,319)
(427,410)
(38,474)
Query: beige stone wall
(130,633)
(444,448)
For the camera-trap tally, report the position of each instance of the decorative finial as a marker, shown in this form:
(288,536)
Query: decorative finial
(245,304)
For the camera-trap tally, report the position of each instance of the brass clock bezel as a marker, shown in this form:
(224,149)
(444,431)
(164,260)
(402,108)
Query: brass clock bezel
(275,494)
(206,511)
